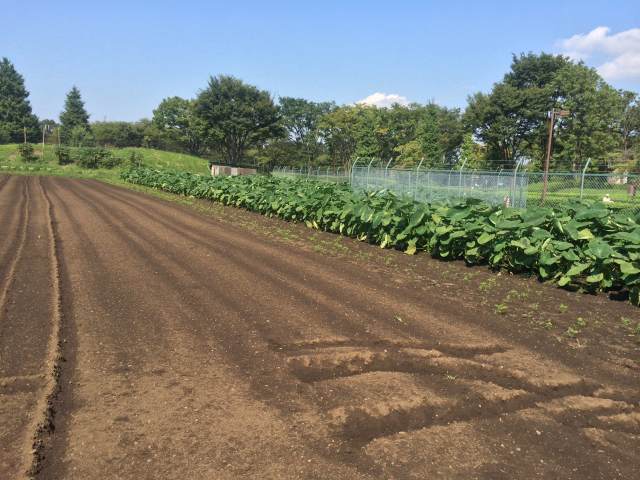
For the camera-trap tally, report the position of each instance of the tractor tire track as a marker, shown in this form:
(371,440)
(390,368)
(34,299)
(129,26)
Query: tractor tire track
(43,421)
(3,181)
(17,246)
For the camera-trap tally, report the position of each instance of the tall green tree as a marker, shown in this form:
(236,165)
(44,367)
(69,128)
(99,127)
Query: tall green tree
(118,134)
(471,154)
(15,108)
(176,117)
(236,116)
(74,119)
(300,118)
(401,134)
(428,135)
(338,136)
(590,131)
(629,125)
(512,119)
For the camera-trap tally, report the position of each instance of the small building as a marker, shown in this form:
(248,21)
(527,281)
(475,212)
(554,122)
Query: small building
(230,170)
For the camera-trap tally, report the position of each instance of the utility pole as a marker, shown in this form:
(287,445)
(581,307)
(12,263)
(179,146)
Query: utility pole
(43,130)
(24,129)
(552,118)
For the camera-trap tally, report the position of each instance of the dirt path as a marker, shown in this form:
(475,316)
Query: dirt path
(195,348)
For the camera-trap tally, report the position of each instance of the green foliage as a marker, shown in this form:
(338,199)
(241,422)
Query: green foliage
(409,154)
(575,329)
(80,137)
(429,138)
(109,160)
(512,119)
(96,157)
(300,119)
(26,153)
(135,158)
(63,155)
(404,134)
(15,109)
(74,119)
(118,134)
(629,128)
(471,154)
(589,131)
(236,116)
(338,129)
(580,245)
(175,118)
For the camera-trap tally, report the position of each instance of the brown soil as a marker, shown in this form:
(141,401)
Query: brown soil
(221,344)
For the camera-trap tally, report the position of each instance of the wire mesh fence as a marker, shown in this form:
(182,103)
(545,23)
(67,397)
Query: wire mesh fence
(516,188)
(618,190)
(325,174)
(501,187)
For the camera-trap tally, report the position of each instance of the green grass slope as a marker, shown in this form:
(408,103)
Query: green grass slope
(47,164)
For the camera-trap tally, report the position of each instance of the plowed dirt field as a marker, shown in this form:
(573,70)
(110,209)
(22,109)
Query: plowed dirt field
(143,339)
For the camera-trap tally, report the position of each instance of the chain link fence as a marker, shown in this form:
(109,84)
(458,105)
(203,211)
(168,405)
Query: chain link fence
(508,188)
(619,190)
(325,174)
(516,188)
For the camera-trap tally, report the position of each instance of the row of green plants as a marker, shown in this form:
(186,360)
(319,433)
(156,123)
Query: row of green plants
(84,157)
(581,245)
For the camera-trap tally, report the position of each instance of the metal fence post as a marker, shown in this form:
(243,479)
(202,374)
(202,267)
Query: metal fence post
(368,171)
(417,174)
(513,183)
(584,171)
(386,173)
(351,173)
(460,178)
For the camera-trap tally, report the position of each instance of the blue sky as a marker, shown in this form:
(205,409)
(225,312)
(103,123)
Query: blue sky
(126,56)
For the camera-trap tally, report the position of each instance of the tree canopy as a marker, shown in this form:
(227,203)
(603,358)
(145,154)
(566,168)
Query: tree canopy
(15,108)
(74,119)
(236,116)
(512,120)
(176,118)
(236,122)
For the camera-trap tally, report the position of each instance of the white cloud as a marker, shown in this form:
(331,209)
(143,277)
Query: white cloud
(384,99)
(620,52)
(623,66)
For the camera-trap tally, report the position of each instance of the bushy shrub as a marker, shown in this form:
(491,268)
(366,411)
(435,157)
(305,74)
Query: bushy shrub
(90,157)
(63,155)
(25,151)
(96,157)
(110,161)
(135,159)
(81,136)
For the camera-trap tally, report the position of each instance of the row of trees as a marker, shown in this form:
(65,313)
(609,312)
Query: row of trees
(236,123)
(511,121)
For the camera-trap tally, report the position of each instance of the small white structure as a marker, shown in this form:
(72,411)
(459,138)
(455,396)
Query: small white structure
(229,171)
